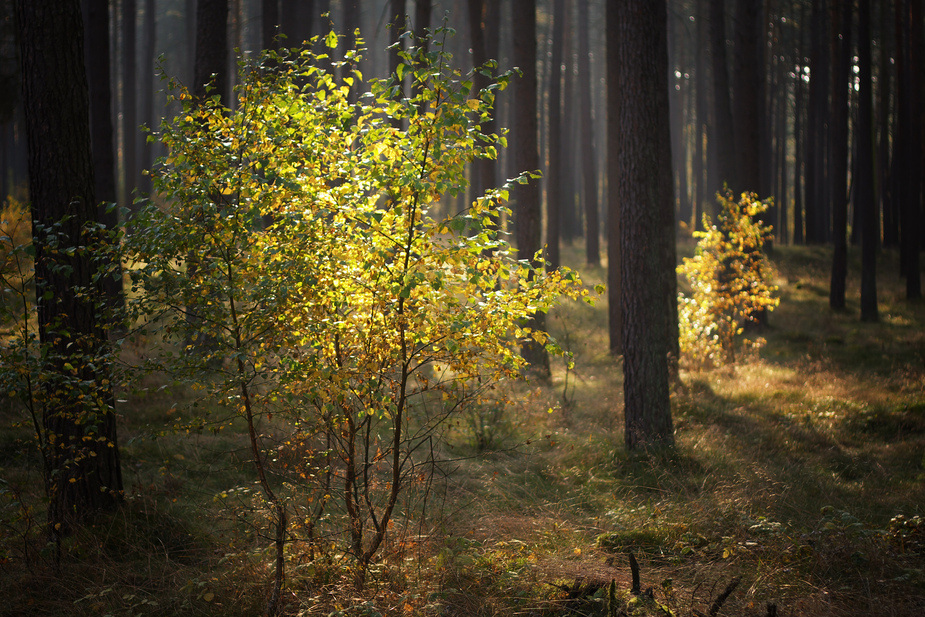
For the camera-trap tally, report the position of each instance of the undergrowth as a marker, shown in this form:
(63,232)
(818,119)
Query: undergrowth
(798,472)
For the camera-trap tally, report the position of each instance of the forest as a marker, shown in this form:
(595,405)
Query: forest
(462,307)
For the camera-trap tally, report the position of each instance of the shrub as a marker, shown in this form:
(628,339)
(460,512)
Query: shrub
(301,262)
(730,281)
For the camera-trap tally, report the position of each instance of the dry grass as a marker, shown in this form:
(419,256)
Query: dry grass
(787,472)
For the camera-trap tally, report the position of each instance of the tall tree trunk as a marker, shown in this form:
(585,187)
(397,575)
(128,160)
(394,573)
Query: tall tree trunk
(269,23)
(96,34)
(722,134)
(887,203)
(588,154)
(81,454)
(614,258)
(678,94)
(210,73)
(484,31)
(910,209)
(129,113)
(642,56)
(702,128)
(799,140)
(572,218)
(747,73)
(146,92)
(554,171)
(817,212)
(527,214)
(838,159)
(296,18)
(865,199)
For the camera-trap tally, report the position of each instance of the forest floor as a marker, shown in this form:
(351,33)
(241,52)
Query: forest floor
(791,473)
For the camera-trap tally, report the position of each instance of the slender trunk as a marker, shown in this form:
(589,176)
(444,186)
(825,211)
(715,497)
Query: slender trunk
(911,225)
(146,93)
(799,142)
(614,258)
(865,199)
(555,169)
(887,203)
(96,31)
(723,130)
(129,113)
(838,148)
(588,155)
(527,221)
(747,73)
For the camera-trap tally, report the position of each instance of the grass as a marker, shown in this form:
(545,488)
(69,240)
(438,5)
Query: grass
(788,472)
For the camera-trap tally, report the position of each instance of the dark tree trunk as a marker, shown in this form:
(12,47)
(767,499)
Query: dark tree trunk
(747,74)
(554,171)
(722,134)
(96,34)
(614,260)
(817,212)
(678,94)
(642,56)
(887,203)
(483,28)
(295,20)
(396,27)
(782,201)
(269,24)
(572,219)
(666,203)
(146,93)
(351,21)
(864,198)
(910,125)
(799,140)
(210,74)
(838,160)
(527,216)
(82,470)
(130,134)
(422,14)
(701,129)
(588,154)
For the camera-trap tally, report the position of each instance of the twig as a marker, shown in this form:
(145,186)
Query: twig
(634,567)
(721,598)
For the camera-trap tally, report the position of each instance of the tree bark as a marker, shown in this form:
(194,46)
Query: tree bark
(588,153)
(748,71)
(82,470)
(554,171)
(614,260)
(910,126)
(838,148)
(146,93)
(642,57)
(96,33)
(527,217)
(129,113)
(722,134)
(865,200)
(817,213)
(210,74)
(296,18)
(887,203)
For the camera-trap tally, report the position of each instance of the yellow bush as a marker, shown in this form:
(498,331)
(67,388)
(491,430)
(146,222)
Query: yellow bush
(730,281)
